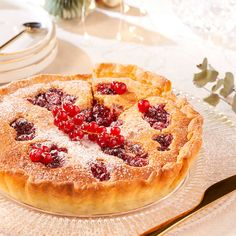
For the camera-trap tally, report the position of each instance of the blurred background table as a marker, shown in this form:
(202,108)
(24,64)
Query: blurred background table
(151,35)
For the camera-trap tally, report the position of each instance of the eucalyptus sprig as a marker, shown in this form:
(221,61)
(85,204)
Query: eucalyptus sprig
(69,9)
(221,88)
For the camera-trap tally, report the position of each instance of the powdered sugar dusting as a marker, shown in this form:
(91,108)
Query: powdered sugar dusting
(11,107)
(80,152)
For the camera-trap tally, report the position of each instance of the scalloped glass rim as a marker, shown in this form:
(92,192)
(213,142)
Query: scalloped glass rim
(21,204)
(185,197)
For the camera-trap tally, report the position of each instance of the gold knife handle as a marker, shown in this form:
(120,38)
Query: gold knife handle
(170,224)
(213,193)
(167,226)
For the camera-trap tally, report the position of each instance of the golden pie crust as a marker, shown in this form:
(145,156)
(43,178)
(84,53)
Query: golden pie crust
(72,189)
(140,84)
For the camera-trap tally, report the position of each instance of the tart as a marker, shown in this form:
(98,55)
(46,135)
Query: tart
(103,143)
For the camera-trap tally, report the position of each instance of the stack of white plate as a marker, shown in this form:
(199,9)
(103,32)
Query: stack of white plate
(31,52)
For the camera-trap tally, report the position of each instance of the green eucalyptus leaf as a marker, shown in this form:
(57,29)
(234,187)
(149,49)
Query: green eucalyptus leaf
(203,65)
(67,8)
(229,77)
(213,99)
(223,92)
(200,79)
(228,85)
(212,75)
(218,84)
(234,104)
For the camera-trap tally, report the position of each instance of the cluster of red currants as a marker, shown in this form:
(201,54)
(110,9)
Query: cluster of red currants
(69,119)
(45,154)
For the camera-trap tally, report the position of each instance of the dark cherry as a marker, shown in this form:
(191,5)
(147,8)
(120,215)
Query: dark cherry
(135,149)
(117,151)
(157,117)
(88,115)
(51,98)
(57,160)
(99,171)
(112,88)
(25,129)
(105,88)
(164,140)
(67,98)
(135,161)
(103,115)
(131,154)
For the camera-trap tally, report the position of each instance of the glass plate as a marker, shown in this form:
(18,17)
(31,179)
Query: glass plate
(208,168)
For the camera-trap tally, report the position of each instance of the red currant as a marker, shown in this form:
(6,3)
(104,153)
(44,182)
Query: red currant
(70,109)
(78,119)
(72,135)
(36,154)
(45,148)
(85,126)
(101,143)
(143,106)
(112,143)
(69,126)
(56,121)
(61,126)
(66,107)
(92,137)
(80,134)
(62,115)
(119,87)
(115,131)
(101,129)
(76,134)
(93,126)
(55,111)
(121,140)
(47,158)
(104,137)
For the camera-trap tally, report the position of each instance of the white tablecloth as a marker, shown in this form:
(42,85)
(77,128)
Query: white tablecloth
(157,41)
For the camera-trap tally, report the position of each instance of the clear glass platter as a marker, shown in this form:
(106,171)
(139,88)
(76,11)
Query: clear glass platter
(211,165)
